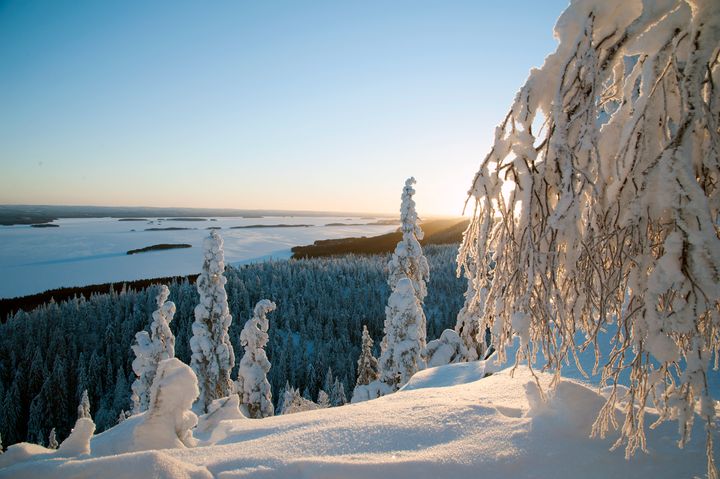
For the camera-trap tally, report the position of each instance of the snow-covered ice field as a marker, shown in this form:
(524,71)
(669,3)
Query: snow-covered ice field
(447,422)
(91,251)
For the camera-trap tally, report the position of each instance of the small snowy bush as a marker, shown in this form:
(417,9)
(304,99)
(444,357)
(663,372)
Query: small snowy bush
(447,349)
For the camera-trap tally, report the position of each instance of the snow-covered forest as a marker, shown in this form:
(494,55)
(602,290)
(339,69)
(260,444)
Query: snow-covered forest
(50,355)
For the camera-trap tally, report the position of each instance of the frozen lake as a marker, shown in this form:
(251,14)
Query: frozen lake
(93,250)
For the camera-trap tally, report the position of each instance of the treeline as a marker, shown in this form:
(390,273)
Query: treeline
(50,355)
(443,231)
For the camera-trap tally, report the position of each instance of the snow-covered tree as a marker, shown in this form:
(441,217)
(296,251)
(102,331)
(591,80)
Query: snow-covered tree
(468,319)
(252,384)
(292,401)
(367,365)
(408,260)
(329,381)
(83,409)
(52,440)
(405,325)
(337,394)
(404,339)
(212,353)
(152,348)
(447,349)
(599,204)
(323,399)
(122,416)
(1,445)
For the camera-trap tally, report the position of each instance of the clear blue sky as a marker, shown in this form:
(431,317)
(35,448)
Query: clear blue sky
(324,105)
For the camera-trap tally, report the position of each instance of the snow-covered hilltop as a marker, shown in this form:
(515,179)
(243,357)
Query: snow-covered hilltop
(445,423)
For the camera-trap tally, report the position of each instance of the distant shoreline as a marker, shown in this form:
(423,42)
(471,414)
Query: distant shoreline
(436,232)
(37,214)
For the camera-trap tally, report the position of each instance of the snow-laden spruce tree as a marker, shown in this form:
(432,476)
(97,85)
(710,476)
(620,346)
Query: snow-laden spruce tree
(405,324)
(337,394)
(83,409)
(367,365)
(408,260)
(152,348)
(212,353)
(252,384)
(52,440)
(599,202)
(323,400)
(404,339)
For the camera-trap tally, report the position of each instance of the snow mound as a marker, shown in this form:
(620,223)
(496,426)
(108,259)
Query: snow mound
(78,442)
(452,375)
(223,409)
(444,423)
(153,464)
(167,423)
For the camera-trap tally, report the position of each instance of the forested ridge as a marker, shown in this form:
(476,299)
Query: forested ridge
(48,356)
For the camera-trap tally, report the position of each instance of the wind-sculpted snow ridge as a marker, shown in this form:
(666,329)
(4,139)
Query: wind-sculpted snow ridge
(438,426)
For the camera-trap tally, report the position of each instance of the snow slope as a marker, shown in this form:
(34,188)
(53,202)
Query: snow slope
(444,423)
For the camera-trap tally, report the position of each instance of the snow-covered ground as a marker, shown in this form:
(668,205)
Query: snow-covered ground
(90,251)
(445,423)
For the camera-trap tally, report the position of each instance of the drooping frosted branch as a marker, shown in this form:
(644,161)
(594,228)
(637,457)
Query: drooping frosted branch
(598,204)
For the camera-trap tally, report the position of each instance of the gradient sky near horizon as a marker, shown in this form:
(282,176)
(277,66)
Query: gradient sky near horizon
(306,105)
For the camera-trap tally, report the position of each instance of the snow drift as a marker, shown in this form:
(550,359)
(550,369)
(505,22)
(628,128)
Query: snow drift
(445,423)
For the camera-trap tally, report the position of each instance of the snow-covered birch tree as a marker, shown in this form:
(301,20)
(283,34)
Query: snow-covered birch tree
(152,348)
(252,384)
(212,353)
(599,202)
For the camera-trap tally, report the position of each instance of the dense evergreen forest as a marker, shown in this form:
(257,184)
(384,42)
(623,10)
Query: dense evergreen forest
(50,355)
